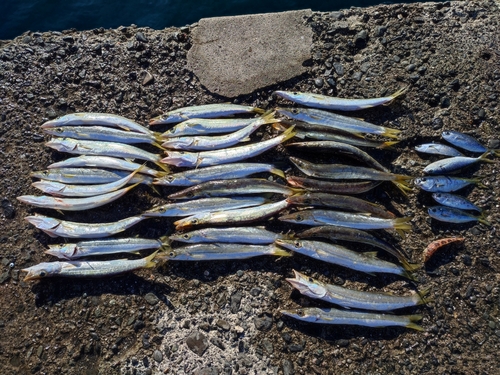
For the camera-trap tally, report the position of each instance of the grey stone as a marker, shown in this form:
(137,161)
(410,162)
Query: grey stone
(8,209)
(141,37)
(270,47)
(151,299)
(288,367)
(236,301)
(158,356)
(357,76)
(197,342)
(361,37)
(207,371)
(318,82)
(268,346)
(339,68)
(223,324)
(263,323)
(380,30)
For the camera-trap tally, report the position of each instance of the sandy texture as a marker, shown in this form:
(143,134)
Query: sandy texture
(223,317)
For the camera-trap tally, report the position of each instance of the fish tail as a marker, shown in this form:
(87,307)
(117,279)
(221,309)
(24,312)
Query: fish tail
(278,172)
(280,252)
(402,177)
(258,110)
(412,324)
(409,275)
(268,117)
(482,219)
(149,260)
(391,133)
(288,133)
(496,152)
(410,267)
(402,224)
(484,156)
(388,144)
(399,93)
(298,191)
(479,183)
(163,166)
(424,296)
(403,186)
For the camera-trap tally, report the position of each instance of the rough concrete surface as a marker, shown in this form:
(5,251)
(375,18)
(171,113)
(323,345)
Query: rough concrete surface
(223,317)
(232,56)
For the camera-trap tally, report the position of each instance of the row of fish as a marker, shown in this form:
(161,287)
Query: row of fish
(217,192)
(452,208)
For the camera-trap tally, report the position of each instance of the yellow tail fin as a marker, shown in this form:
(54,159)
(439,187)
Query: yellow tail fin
(258,110)
(391,133)
(399,93)
(278,172)
(388,145)
(402,225)
(149,260)
(288,133)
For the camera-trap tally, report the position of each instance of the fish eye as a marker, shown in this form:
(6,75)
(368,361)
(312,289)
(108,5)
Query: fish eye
(42,273)
(161,209)
(59,130)
(194,221)
(423,179)
(190,194)
(310,279)
(170,178)
(171,254)
(297,244)
(438,195)
(299,218)
(45,173)
(186,236)
(295,111)
(300,313)
(295,93)
(307,201)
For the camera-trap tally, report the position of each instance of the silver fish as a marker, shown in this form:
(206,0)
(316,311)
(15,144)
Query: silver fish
(55,227)
(102,247)
(250,235)
(464,141)
(241,216)
(444,184)
(354,299)
(454,215)
(437,149)
(334,316)
(87,269)
(198,206)
(450,165)
(200,126)
(88,176)
(224,251)
(336,254)
(216,172)
(216,157)
(106,162)
(455,201)
(75,146)
(338,104)
(204,111)
(206,143)
(74,204)
(103,119)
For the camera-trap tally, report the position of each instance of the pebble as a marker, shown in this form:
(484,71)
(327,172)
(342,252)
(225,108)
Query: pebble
(197,342)
(148,78)
(263,323)
(445,102)
(207,371)
(331,82)
(361,37)
(288,367)
(357,76)
(339,68)
(236,301)
(493,143)
(158,356)
(437,123)
(380,30)
(481,113)
(295,348)
(139,324)
(268,346)
(255,291)
(318,82)
(51,113)
(8,209)
(141,37)
(223,324)
(218,343)
(151,298)
(4,276)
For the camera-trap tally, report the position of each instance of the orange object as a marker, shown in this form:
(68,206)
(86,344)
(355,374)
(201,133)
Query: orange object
(436,245)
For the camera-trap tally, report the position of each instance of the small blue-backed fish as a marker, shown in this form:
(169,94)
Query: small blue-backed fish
(366,319)
(465,141)
(353,299)
(204,111)
(438,149)
(455,201)
(87,269)
(454,164)
(336,104)
(444,184)
(454,215)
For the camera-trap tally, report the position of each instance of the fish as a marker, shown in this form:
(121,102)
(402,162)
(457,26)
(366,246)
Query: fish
(220,188)
(454,215)
(107,162)
(204,111)
(103,133)
(248,235)
(105,246)
(317,217)
(336,121)
(444,184)
(438,244)
(75,146)
(223,251)
(63,190)
(207,143)
(337,187)
(201,126)
(203,205)
(451,165)
(103,119)
(74,204)
(455,201)
(331,253)
(216,172)
(61,228)
(334,233)
(335,316)
(343,202)
(240,216)
(464,141)
(88,176)
(229,155)
(353,299)
(438,149)
(87,269)
(337,104)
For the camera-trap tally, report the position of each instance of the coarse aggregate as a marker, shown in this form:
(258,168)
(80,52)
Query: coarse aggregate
(223,317)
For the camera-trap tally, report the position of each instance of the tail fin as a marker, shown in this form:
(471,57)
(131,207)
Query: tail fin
(423,294)
(484,158)
(278,172)
(258,110)
(477,181)
(403,186)
(149,260)
(391,133)
(388,144)
(288,133)
(280,252)
(398,93)
(413,319)
(268,117)
(482,219)
(402,225)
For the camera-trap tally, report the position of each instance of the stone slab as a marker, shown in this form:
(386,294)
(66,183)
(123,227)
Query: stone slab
(232,56)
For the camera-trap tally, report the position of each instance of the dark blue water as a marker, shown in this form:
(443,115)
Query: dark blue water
(18,16)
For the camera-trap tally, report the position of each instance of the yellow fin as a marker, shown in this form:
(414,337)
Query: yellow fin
(391,133)
(388,144)
(281,253)
(278,172)
(258,110)
(399,93)
(149,260)
(288,133)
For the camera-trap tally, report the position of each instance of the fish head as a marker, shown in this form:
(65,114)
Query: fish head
(304,314)
(424,182)
(290,244)
(155,212)
(62,251)
(42,222)
(288,112)
(295,217)
(54,130)
(61,144)
(307,285)
(40,174)
(180,158)
(181,237)
(42,270)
